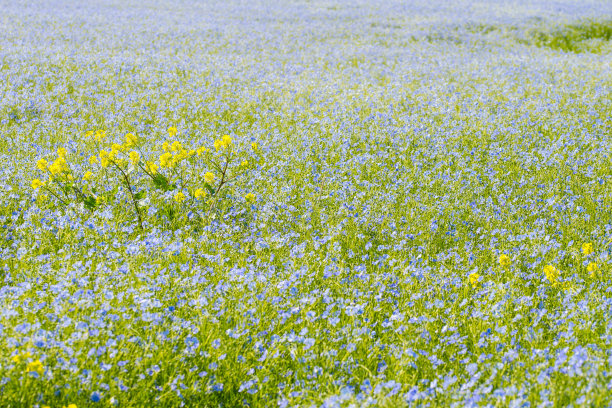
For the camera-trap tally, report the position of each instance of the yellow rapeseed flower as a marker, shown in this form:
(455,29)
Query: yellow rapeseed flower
(176,146)
(104,158)
(89,133)
(226,140)
(70,406)
(134,156)
(130,140)
(504,260)
(179,197)
(58,166)
(36,184)
(552,274)
(250,197)
(87,175)
(592,268)
(152,167)
(35,367)
(218,144)
(42,164)
(199,193)
(172,131)
(473,278)
(587,248)
(61,152)
(201,150)
(165,160)
(209,177)
(165,146)
(254,146)
(18,358)
(93,160)
(115,148)
(244,163)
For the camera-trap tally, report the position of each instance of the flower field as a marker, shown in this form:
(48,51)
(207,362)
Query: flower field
(306,203)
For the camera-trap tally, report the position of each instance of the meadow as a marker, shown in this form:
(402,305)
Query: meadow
(306,203)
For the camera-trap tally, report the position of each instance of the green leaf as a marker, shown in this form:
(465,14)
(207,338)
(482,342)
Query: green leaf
(90,203)
(161,182)
(140,195)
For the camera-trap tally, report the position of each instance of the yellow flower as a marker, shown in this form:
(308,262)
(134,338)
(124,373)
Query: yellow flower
(165,160)
(592,268)
(18,358)
(104,158)
(70,406)
(552,274)
(58,166)
(130,140)
(587,248)
(115,147)
(209,177)
(42,164)
(35,367)
(199,193)
(474,279)
(36,184)
(172,131)
(100,200)
(254,146)
(182,154)
(227,140)
(93,160)
(201,150)
(218,144)
(179,197)
(152,167)
(87,175)
(165,146)
(250,197)
(504,260)
(134,156)
(176,146)
(191,152)
(89,133)
(100,134)
(61,152)
(244,163)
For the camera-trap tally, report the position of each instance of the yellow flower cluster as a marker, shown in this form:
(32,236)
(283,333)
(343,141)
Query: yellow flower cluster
(19,358)
(209,177)
(188,183)
(552,274)
(474,279)
(199,193)
(57,168)
(169,160)
(36,184)
(224,143)
(64,406)
(35,367)
(592,269)
(504,260)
